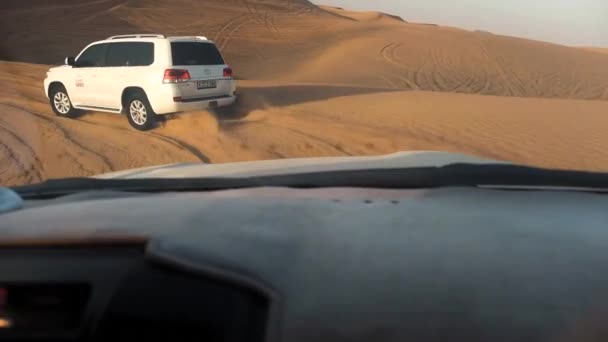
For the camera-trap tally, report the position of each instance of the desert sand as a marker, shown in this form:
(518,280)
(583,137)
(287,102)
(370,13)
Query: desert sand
(313,81)
(600,50)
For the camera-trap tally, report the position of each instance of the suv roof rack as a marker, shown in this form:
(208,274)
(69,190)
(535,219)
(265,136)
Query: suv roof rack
(139,35)
(190,37)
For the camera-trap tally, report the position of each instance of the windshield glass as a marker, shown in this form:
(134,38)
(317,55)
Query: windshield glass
(96,87)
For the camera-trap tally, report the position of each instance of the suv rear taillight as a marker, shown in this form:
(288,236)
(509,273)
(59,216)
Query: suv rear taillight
(228,72)
(176,76)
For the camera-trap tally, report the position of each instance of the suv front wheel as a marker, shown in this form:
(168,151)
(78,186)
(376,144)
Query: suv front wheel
(60,102)
(139,112)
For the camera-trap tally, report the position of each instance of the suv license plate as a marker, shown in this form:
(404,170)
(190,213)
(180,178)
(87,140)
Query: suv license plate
(206,84)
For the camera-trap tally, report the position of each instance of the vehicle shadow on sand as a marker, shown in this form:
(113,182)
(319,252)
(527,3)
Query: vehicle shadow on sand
(256,98)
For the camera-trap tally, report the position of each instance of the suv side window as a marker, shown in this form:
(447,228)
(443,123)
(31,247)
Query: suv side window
(130,54)
(94,56)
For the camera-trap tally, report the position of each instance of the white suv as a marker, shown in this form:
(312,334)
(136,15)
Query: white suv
(142,76)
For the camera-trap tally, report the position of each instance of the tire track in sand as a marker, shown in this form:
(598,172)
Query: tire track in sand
(69,139)
(499,68)
(220,35)
(180,144)
(309,137)
(388,53)
(26,171)
(262,17)
(229,36)
(34,171)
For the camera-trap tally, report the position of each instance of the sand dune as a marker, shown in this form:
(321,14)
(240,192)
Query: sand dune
(314,81)
(600,50)
(296,41)
(278,120)
(362,15)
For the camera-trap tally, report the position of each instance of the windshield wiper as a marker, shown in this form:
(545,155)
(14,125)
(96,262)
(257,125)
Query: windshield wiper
(472,175)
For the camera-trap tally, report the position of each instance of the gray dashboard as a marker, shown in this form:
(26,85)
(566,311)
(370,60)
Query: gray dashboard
(452,264)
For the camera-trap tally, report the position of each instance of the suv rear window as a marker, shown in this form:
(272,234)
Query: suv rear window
(193,53)
(130,54)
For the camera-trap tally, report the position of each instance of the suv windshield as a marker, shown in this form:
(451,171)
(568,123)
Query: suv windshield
(101,88)
(192,53)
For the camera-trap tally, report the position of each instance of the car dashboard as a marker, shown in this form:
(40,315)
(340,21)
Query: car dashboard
(102,293)
(277,264)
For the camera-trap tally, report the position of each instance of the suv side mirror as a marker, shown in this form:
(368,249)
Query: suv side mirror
(70,61)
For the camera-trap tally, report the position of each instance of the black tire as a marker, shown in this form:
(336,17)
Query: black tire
(60,102)
(139,112)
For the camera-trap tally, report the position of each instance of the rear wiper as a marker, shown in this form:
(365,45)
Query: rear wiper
(476,175)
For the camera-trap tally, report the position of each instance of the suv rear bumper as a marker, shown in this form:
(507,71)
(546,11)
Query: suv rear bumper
(173,98)
(200,103)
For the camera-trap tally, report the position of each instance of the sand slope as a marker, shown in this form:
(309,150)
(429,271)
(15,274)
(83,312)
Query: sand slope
(277,120)
(314,82)
(297,41)
(600,50)
(362,15)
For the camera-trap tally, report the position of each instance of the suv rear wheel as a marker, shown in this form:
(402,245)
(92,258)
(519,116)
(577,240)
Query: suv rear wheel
(139,112)
(60,102)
